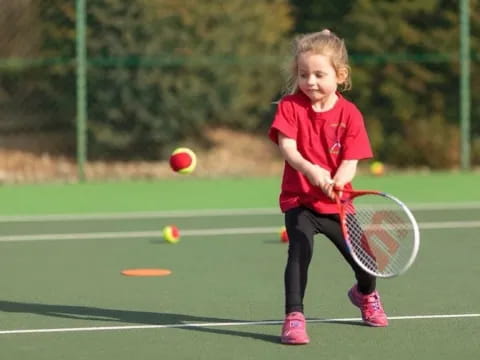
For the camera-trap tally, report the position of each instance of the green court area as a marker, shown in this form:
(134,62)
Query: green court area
(63,247)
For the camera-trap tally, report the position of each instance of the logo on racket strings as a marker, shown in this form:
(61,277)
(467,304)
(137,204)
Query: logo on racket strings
(380,238)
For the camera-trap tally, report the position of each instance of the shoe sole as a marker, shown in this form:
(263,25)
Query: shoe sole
(287,342)
(374,325)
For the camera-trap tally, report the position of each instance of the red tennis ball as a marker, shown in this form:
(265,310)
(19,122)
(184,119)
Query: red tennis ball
(171,234)
(183,161)
(283,235)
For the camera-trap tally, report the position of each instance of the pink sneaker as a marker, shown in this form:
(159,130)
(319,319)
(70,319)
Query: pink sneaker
(370,306)
(294,330)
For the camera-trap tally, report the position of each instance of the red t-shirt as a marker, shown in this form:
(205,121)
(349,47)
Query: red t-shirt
(323,138)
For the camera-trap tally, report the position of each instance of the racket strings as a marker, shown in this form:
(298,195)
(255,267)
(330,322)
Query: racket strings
(380,236)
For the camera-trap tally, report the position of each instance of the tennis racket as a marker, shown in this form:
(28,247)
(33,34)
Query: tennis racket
(381,232)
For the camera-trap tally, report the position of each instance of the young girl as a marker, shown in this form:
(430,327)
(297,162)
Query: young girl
(321,136)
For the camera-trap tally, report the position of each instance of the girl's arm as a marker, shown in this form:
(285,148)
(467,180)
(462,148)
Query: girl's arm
(345,173)
(315,174)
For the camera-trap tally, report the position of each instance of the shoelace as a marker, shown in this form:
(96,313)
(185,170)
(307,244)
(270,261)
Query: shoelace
(371,305)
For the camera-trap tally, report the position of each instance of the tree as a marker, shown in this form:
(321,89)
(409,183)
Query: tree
(321,14)
(407,91)
(162,71)
(405,73)
(20,43)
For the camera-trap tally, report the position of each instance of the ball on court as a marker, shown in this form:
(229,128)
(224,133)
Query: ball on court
(283,235)
(183,160)
(377,168)
(171,234)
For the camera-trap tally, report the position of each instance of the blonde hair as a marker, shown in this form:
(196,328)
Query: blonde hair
(324,43)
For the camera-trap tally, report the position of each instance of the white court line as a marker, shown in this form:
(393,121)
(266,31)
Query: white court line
(202,213)
(140,234)
(221,324)
(142,215)
(201,232)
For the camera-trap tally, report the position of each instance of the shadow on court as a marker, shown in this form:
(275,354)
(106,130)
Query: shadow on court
(180,321)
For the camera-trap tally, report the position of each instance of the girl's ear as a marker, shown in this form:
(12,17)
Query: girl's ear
(342,75)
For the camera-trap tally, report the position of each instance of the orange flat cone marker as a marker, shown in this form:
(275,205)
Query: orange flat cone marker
(146,272)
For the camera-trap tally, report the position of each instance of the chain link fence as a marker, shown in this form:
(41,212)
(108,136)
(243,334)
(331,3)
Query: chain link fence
(166,72)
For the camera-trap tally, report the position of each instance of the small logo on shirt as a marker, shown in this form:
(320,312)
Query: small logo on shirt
(335,148)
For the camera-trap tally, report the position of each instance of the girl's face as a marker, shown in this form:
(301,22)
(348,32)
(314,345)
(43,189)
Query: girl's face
(317,77)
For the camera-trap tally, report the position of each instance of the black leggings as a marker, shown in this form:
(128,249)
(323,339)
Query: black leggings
(302,224)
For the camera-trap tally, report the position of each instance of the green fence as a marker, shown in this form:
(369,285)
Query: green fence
(108,81)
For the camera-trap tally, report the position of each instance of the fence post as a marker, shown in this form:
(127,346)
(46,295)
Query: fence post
(464,17)
(81,94)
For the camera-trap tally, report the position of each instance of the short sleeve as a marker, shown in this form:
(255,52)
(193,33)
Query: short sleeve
(285,121)
(356,144)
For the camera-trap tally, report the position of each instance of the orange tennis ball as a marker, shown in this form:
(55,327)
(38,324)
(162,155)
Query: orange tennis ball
(183,160)
(171,234)
(283,235)
(377,168)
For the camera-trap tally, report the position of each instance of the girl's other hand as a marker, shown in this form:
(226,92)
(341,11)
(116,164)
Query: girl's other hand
(338,187)
(320,177)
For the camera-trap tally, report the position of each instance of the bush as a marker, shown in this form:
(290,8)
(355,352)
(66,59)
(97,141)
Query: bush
(161,71)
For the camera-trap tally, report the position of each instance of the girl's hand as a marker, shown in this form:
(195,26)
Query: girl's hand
(337,188)
(344,175)
(320,177)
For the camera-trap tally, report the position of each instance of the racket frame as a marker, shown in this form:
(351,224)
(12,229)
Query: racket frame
(352,194)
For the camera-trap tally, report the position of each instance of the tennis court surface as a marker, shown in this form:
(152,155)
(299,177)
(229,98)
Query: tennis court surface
(63,294)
